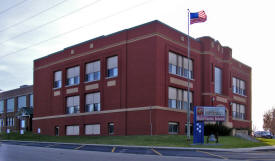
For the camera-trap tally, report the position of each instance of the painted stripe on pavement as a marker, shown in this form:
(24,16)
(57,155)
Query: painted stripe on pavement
(158,153)
(113,150)
(77,148)
(219,156)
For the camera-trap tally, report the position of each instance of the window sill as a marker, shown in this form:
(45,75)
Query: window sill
(111,77)
(67,86)
(237,119)
(192,79)
(72,113)
(57,88)
(239,94)
(95,81)
(92,111)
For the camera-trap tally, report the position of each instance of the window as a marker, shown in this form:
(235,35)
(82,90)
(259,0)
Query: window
(172,63)
(238,86)
(238,111)
(242,112)
(1,123)
(178,65)
(173,127)
(178,98)
(112,67)
(23,123)
(57,79)
(73,76)
(21,102)
(10,105)
(31,100)
(111,128)
(92,102)
(92,71)
(92,129)
(185,100)
(1,106)
(73,104)
(218,80)
(72,130)
(234,85)
(172,102)
(56,130)
(10,121)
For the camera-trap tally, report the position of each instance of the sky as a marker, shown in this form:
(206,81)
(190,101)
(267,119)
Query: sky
(30,29)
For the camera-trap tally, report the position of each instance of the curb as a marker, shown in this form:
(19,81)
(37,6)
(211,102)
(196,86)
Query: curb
(261,148)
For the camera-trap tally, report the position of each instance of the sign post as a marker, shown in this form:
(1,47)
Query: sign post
(202,114)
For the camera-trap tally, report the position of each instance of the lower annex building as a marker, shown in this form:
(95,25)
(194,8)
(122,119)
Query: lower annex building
(134,82)
(16,109)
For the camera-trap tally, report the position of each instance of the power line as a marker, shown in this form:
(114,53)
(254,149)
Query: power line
(78,28)
(31,17)
(11,7)
(40,26)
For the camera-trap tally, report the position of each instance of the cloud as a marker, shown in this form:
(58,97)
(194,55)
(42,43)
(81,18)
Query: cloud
(3,67)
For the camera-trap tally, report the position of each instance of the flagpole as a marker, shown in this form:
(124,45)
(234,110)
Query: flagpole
(189,76)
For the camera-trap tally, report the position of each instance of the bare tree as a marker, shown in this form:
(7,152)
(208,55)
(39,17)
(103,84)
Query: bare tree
(254,128)
(269,120)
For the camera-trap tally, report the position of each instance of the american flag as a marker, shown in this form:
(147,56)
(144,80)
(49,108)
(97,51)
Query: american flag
(197,17)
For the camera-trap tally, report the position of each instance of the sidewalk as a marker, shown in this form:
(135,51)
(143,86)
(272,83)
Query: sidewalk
(261,148)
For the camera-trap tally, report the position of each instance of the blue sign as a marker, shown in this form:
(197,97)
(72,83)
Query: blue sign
(198,129)
(205,113)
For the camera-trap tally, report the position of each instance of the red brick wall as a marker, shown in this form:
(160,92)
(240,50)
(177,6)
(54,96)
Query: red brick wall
(143,78)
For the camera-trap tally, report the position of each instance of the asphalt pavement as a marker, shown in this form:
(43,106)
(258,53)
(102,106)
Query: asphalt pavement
(253,154)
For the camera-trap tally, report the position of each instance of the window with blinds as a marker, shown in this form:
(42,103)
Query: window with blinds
(72,76)
(72,130)
(92,71)
(92,102)
(218,80)
(178,98)
(57,79)
(238,86)
(238,111)
(112,66)
(92,129)
(1,106)
(73,104)
(178,65)
(10,105)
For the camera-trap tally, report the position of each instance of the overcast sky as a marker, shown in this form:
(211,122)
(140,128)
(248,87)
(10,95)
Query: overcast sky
(30,29)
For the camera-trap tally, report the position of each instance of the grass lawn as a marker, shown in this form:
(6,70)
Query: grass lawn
(156,140)
(267,141)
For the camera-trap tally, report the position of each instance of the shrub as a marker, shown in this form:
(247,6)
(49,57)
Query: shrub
(219,129)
